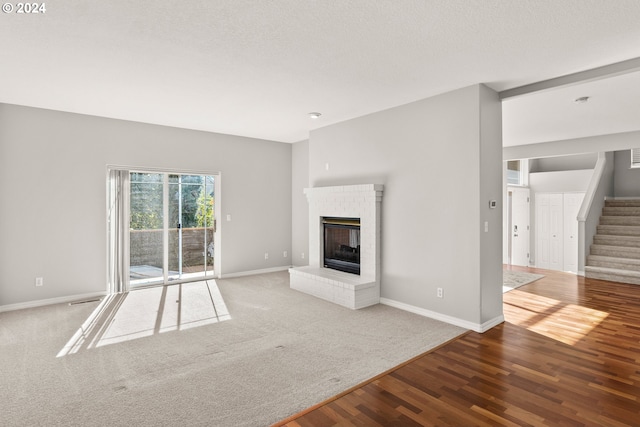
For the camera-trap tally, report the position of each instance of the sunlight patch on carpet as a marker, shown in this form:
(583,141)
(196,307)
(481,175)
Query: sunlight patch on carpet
(144,312)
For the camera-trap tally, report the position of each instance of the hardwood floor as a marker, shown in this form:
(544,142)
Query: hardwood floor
(567,354)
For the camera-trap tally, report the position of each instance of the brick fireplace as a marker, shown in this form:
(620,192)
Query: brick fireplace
(344,288)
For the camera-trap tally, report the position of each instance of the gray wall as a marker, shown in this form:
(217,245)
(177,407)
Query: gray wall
(626,180)
(563,163)
(560,181)
(590,144)
(53,187)
(440,162)
(299,203)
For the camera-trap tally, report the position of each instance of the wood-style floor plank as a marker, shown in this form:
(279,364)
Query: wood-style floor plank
(567,354)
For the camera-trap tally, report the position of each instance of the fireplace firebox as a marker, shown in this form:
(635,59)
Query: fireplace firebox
(342,244)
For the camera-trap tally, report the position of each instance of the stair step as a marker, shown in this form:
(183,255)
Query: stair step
(620,220)
(622,202)
(621,211)
(613,262)
(612,275)
(608,240)
(618,230)
(615,251)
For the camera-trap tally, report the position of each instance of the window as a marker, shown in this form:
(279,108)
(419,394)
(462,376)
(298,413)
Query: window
(635,157)
(514,172)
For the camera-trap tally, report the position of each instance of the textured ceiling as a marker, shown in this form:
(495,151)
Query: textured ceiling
(256,68)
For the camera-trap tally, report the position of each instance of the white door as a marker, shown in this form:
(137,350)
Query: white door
(520,226)
(543,232)
(572,203)
(556,225)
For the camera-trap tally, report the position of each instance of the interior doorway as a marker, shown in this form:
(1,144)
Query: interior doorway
(518,214)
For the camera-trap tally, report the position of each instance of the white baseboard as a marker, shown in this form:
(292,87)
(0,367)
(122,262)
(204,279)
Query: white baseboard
(254,272)
(581,273)
(50,301)
(476,327)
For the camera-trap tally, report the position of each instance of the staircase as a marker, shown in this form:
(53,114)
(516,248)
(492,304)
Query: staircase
(615,252)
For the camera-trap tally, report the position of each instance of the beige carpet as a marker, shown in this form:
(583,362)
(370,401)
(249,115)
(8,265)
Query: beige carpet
(240,352)
(514,279)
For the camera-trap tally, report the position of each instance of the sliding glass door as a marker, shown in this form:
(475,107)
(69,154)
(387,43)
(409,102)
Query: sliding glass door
(171,227)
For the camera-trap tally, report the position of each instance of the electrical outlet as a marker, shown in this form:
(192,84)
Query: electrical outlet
(284,254)
(302,256)
(39,281)
(266,255)
(440,293)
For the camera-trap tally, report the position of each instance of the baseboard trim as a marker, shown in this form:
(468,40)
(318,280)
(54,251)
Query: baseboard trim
(580,273)
(254,272)
(476,327)
(50,301)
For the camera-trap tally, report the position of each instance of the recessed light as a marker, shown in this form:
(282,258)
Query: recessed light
(581,100)
(314,115)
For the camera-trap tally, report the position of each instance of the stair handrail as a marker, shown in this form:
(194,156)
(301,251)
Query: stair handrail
(595,194)
(598,171)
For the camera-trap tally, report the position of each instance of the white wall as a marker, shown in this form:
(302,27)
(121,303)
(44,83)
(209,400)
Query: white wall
(626,180)
(53,188)
(590,144)
(560,181)
(563,163)
(299,203)
(440,162)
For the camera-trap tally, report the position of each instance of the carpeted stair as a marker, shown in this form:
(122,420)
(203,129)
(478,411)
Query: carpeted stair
(615,252)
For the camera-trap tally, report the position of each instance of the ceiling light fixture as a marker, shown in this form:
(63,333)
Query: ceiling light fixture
(581,100)
(314,115)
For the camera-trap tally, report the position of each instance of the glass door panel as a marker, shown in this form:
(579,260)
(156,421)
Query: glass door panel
(193,237)
(207,221)
(190,226)
(175,206)
(146,224)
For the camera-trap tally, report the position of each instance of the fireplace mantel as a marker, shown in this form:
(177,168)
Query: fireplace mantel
(350,290)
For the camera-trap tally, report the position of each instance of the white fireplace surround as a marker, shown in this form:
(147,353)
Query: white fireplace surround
(350,290)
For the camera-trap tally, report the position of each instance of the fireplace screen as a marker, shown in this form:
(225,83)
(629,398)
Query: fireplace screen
(342,244)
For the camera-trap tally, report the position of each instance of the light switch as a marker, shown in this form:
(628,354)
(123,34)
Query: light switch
(486,226)
(228,217)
